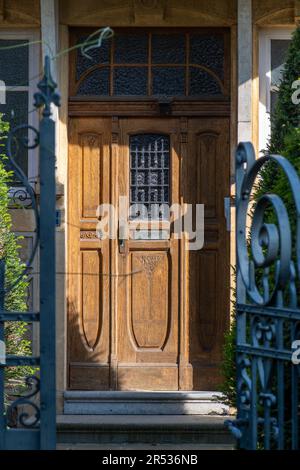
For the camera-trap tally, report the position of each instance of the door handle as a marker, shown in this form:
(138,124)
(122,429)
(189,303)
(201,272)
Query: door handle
(227,213)
(122,236)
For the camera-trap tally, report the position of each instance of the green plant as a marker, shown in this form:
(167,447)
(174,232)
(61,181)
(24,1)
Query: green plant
(16,333)
(228,367)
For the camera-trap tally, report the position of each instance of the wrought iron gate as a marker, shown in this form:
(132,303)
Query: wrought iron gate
(267,309)
(34,426)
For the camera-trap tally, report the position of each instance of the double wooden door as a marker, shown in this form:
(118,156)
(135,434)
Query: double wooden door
(144,312)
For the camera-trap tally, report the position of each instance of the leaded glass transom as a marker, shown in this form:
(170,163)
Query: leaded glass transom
(157,64)
(149,175)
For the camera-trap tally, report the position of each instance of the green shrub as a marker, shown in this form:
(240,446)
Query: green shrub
(16,333)
(228,367)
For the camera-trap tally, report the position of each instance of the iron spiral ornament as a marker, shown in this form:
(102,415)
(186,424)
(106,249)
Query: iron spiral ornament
(270,243)
(25,418)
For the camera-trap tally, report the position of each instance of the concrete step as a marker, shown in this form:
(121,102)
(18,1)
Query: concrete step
(148,447)
(143,403)
(152,432)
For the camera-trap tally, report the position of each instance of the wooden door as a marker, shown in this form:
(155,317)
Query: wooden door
(148,269)
(89,321)
(145,313)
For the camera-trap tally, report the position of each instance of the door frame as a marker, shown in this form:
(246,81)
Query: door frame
(141,108)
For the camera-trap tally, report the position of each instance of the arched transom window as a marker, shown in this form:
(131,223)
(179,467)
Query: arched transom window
(153,63)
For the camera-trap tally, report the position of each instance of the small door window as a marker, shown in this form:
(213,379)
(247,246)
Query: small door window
(149,176)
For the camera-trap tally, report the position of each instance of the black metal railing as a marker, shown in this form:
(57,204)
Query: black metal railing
(267,307)
(34,426)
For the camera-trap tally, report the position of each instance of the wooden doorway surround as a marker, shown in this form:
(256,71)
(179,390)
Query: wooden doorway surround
(148,315)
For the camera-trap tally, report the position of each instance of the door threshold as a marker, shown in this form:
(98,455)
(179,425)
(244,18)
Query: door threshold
(144,403)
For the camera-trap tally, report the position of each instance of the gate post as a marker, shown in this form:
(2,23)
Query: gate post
(47,158)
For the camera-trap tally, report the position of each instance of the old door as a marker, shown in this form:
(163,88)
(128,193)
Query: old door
(145,313)
(147,288)
(149,122)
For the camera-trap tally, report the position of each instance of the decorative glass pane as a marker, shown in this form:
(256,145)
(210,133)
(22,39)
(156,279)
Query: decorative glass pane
(131,49)
(279,49)
(96,83)
(168,49)
(14,62)
(168,81)
(97,55)
(208,51)
(130,65)
(203,83)
(16,112)
(130,81)
(149,171)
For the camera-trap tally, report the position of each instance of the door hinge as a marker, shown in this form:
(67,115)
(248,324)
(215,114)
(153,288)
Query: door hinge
(227,213)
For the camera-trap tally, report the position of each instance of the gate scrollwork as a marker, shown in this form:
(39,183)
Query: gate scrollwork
(267,309)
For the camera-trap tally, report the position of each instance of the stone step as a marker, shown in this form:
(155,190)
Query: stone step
(153,432)
(143,403)
(149,447)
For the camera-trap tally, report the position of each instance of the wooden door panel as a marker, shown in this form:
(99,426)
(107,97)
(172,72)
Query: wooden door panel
(148,297)
(150,304)
(91,169)
(208,182)
(89,265)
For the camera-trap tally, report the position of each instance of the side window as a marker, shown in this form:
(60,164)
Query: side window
(18,74)
(273,46)
(279,49)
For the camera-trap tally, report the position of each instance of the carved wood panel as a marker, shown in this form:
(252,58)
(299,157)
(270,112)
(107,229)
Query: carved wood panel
(91,297)
(206,144)
(90,174)
(150,303)
(88,267)
(209,277)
